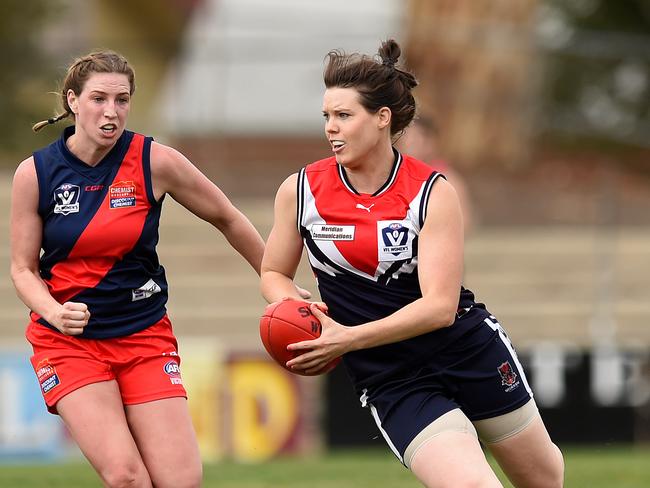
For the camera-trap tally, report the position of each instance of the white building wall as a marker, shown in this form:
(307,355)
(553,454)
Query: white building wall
(255,66)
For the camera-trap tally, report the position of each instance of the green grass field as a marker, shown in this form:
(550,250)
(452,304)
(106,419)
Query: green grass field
(604,467)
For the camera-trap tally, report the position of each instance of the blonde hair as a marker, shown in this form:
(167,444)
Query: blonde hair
(105,61)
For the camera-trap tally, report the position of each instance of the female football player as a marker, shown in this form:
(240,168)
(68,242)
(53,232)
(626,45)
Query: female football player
(384,236)
(104,352)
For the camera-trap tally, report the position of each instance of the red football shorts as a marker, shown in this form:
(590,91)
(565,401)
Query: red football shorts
(146,365)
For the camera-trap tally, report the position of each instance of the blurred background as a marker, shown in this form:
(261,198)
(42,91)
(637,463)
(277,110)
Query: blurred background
(541,110)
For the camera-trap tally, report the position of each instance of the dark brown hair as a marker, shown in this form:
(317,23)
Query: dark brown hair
(79,72)
(379,82)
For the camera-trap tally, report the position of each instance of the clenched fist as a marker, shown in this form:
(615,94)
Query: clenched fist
(71,318)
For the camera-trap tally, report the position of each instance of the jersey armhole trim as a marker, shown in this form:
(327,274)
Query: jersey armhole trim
(426,192)
(41,183)
(300,195)
(146,168)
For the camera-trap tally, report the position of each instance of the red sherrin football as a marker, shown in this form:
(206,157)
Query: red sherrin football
(286,322)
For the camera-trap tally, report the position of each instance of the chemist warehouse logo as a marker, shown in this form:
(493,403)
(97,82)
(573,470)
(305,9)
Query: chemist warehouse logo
(47,376)
(121,194)
(66,199)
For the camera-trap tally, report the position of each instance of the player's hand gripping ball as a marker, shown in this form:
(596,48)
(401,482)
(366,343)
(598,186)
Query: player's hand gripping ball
(286,322)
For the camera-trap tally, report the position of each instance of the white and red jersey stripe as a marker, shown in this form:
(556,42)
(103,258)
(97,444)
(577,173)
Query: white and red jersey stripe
(363,250)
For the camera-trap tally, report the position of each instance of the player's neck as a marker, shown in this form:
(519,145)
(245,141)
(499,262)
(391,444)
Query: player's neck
(372,172)
(85,151)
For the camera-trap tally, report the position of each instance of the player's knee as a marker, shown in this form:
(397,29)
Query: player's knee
(557,475)
(187,476)
(124,475)
(466,481)
(551,474)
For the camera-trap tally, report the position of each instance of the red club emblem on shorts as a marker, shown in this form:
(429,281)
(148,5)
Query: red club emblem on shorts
(508,376)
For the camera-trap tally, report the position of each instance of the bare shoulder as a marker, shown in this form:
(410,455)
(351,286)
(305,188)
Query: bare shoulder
(26,171)
(289,184)
(24,191)
(165,158)
(443,188)
(288,189)
(443,195)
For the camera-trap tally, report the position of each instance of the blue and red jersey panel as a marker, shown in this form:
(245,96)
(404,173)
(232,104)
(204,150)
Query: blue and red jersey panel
(100,231)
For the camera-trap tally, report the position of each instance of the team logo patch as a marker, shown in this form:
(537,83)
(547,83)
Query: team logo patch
(47,377)
(66,199)
(174,372)
(508,376)
(394,240)
(121,194)
(145,291)
(326,232)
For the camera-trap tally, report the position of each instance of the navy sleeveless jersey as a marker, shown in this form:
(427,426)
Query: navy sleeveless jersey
(363,250)
(100,230)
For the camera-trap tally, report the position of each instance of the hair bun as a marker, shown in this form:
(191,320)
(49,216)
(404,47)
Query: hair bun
(389,52)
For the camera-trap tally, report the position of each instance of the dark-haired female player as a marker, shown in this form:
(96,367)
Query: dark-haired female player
(384,236)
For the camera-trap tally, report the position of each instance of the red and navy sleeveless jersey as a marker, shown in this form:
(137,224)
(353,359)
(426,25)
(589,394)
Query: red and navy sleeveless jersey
(363,250)
(100,230)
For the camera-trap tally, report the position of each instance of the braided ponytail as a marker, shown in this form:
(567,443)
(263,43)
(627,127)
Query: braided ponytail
(53,120)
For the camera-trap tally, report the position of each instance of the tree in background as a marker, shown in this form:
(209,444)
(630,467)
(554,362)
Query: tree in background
(477,66)
(597,83)
(499,74)
(28,75)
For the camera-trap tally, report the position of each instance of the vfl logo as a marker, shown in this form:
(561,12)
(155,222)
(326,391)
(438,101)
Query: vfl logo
(66,198)
(508,376)
(395,238)
(367,209)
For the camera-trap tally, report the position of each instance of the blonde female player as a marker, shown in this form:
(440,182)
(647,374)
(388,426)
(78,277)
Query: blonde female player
(383,232)
(104,351)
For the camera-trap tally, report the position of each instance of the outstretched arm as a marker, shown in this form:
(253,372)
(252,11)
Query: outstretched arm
(173,173)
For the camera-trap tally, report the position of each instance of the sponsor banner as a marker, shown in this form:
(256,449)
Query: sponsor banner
(243,405)
(27,430)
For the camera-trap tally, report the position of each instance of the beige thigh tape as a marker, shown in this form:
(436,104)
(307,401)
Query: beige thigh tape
(499,428)
(454,421)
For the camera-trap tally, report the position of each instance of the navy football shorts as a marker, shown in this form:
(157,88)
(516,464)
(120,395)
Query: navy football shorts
(480,374)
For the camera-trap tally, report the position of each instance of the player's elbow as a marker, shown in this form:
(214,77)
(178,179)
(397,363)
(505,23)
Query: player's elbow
(444,312)
(18,271)
(447,317)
